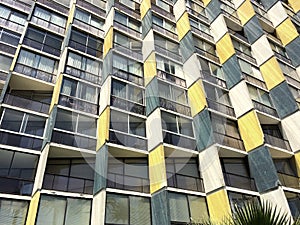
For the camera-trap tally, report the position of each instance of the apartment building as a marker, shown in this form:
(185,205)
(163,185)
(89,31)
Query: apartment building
(151,112)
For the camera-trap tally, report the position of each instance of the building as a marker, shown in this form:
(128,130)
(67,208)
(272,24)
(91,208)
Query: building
(152,112)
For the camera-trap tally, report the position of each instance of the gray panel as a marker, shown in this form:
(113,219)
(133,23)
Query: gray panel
(101,169)
(107,65)
(293,51)
(152,96)
(213,10)
(203,130)
(146,23)
(187,46)
(49,126)
(5,87)
(232,71)
(159,206)
(283,100)
(268,3)
(253,30)
(262,169)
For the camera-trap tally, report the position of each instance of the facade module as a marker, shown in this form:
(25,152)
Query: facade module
(151,112)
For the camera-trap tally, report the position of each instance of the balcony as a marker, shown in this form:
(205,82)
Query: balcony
(47,25)
(282,57)
(171,78)
(55,5)
(264,108)
(261,13)
(202,34)
(168,53)
(185,182)
(130,183)
(201,15)
(174,106)
(213,79)
(24,103)
(164,31)
(128,76)
(16,186)
(127,140)
(239,181)
(83,74)
(128,30)
(78,104)
(12,25)
(24,5)
(68,184)
(10,49)
(220,107)
(289,180)
(245,56)
(96,52)
(162,12)
(254,80)
(277,142)
(179,140)
(229,11)
(129,52)
(41,46)
(88,27)
(98,7)
(134,13)
(35,73)
(229,141)
(19,140)
(237,35)
(127,105)
(206,54)
(74,140)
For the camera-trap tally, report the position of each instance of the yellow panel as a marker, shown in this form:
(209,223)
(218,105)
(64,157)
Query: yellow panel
(295,4)
(13,63)
(225,48)
(183,25)
(245,12)
(103,128)
(206,2)
(250,131)
(297,160)
(71,16)
(108,41)
(56,92)
(33,207)
(149,68)
(157,169)
(197,97)
(218,206)
(272,73)
(286,31)
(145,6)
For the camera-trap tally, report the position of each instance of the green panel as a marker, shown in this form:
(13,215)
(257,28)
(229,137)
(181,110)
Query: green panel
(293,51)
(268,3)
(107,65)
(49,126)
(101,169)
(213,10)
(146,23)
(159,206)
(186,46)
(5,87)
(232,72)
(203,130)
(262,169)
(152,96)
(283,100)
(252,30)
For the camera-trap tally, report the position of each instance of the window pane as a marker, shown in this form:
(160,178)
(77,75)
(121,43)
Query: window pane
(119,121)
(169,122)
(185,127)
(179,210)
(5,62)
(5,161)
(86,125)
(78,212)
(66,120)
(139,211)
(35,125)
(116,209)
(12,120)
(198,208)
(23,166)
(119,89)
(82,169)
(13,212)
(137,126)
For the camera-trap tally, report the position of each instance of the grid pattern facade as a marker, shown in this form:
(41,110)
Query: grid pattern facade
(152,112)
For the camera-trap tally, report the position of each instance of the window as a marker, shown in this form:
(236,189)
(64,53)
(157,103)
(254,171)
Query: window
(127,65)
(272,130)
(177,124)
(217,94)
(294,203)
(169,66)
(5,62)
(88,18)
(13,211)
(127,21)
(43,41)
(203,45)
(126,91)
(259,95)
(211,68)
(49,17)
(278,49)
(63,211)
(17,172)
(76,123)
(22,122)
(72,175)
(127,123)
(197,24)
(195,7)
(239,200)
(289,71)
(129,3)
(166,44)
(241,47)
(123,210)
(13,16)
(80,90)
(127,42)
(183,208)
(164,23)
(171,92)
(164,5)
(9,37)
(225,126)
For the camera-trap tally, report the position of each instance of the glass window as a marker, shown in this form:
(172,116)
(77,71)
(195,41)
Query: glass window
(49,17)
(127,65)
(5,62)
(239,200)
(259,95)
(294,203)
(13,212)
(126,91)
(217,94)
(9,37)
(225,126)
(163,5)
(169,66)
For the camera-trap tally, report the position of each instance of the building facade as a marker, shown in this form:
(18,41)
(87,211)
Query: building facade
(152,112)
